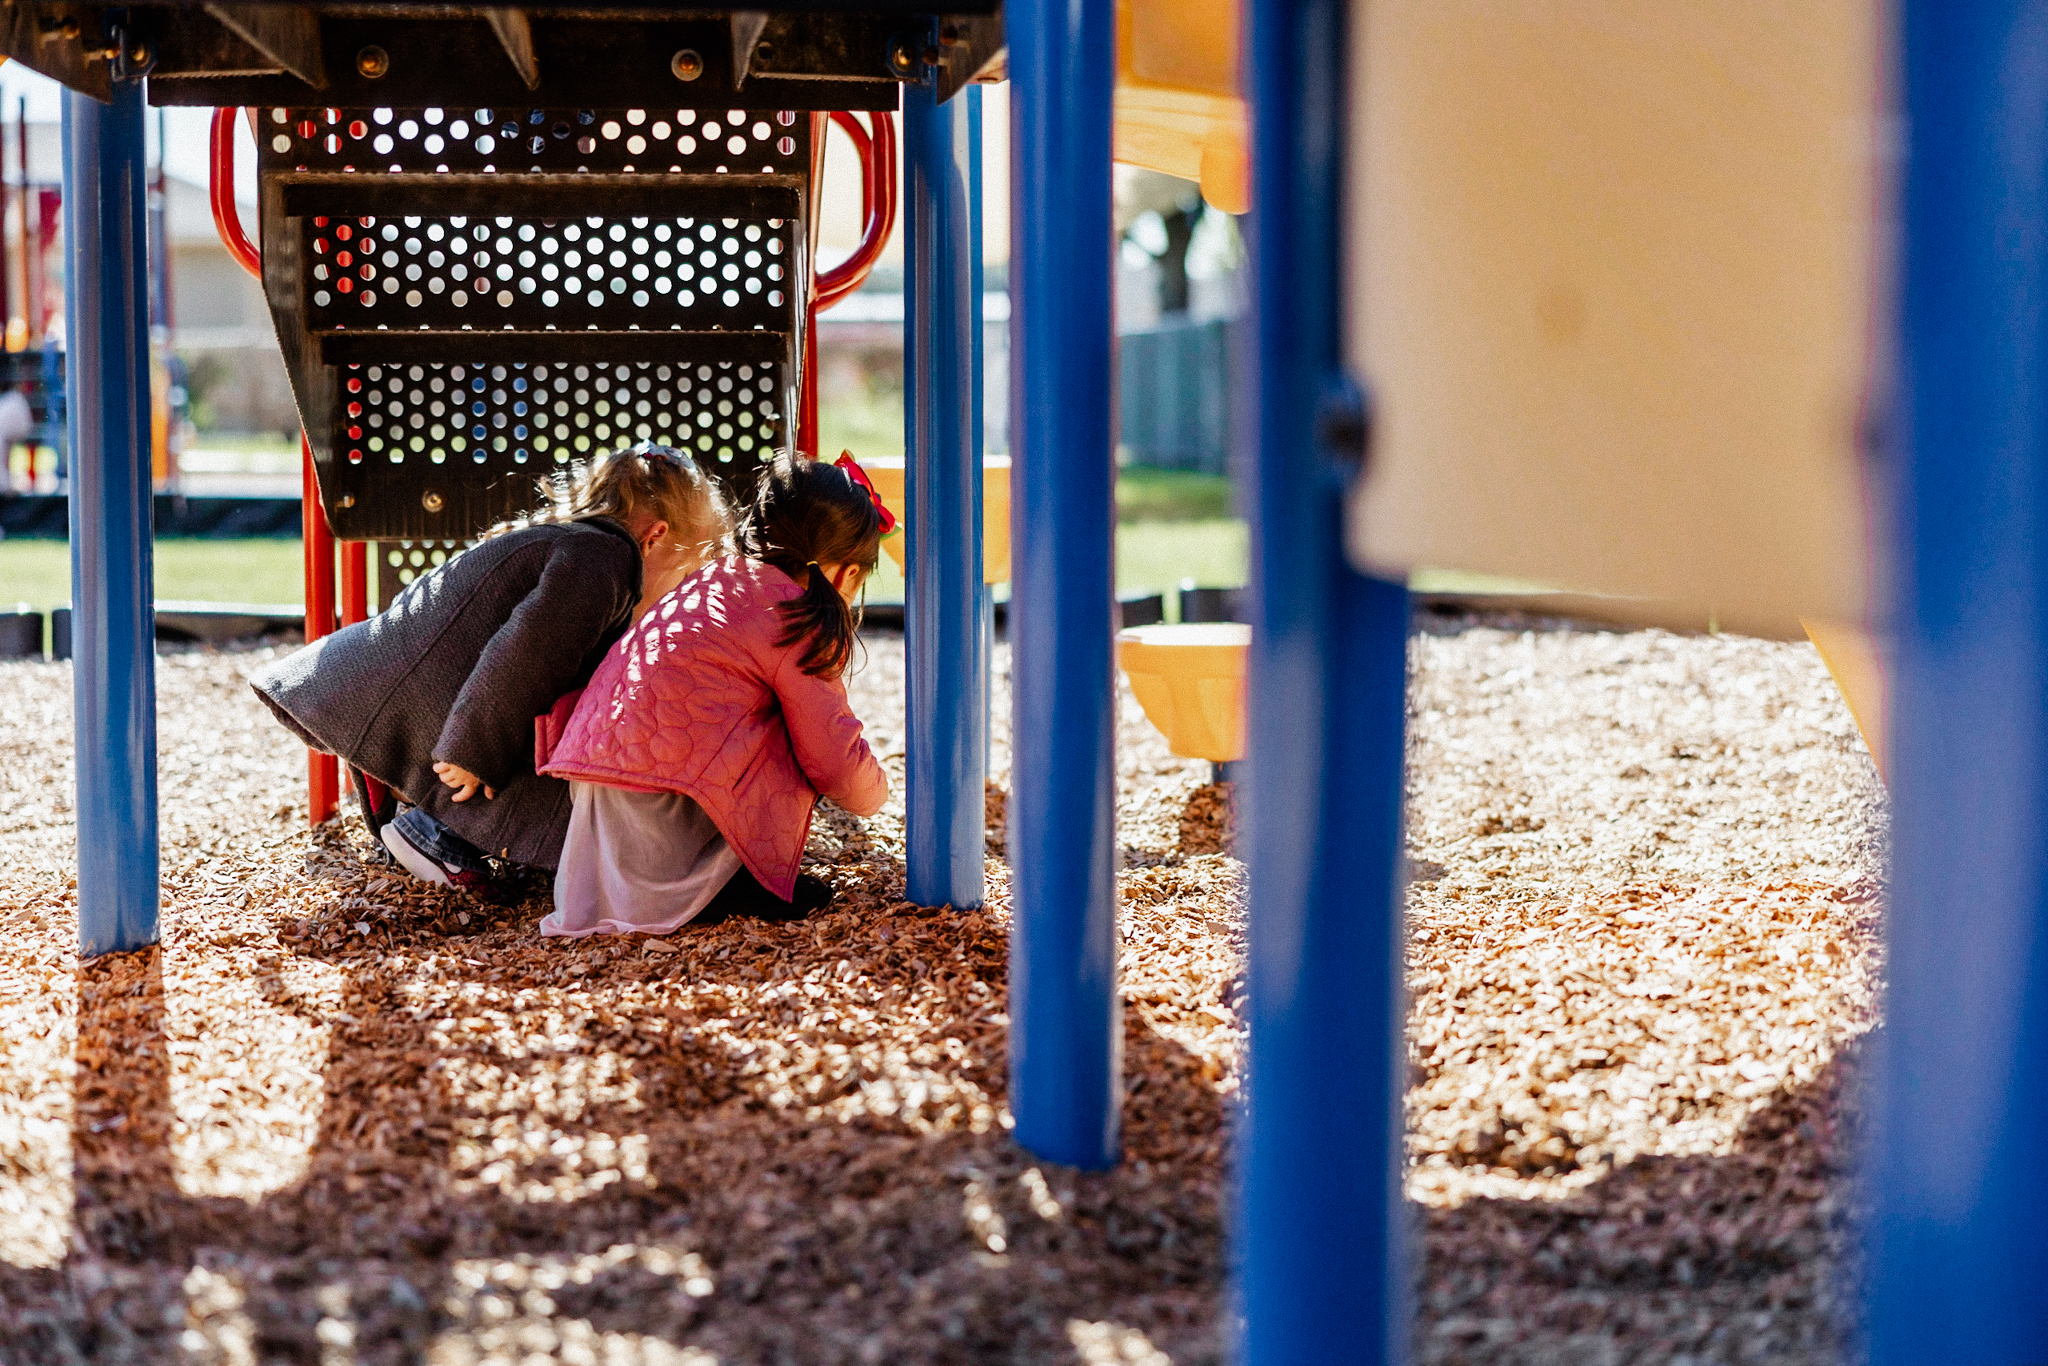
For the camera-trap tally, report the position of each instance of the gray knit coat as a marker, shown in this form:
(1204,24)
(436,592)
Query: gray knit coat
(457,668)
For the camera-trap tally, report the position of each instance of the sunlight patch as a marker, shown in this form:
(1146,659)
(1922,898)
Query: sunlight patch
(39,1022)
(563,1307)
(247,1052)
(1112,1344)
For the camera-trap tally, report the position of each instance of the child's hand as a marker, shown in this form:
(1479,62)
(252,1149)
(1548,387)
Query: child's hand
(463,781)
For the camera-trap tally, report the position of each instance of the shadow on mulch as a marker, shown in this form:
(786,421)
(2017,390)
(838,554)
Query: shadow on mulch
(1746,1257)
(758,1233)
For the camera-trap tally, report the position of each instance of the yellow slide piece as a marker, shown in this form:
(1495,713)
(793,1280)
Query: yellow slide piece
(1179,106)
(886,471)
(1612,268)
(1853,658)
(1190,681)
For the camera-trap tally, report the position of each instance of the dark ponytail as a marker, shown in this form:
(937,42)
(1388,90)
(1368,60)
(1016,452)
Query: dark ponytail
(806,514)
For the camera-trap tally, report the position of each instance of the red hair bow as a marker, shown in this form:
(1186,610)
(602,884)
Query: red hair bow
(860,476)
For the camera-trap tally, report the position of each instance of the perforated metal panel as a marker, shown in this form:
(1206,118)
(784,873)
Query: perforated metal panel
(563,140)
(538,273)
(554,296)
(462,445)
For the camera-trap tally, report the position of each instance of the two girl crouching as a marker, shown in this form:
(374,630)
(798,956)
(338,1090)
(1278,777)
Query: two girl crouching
(697,752)
(683,778)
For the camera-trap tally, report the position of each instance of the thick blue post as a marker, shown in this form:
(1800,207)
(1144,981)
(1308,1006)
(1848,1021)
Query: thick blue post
(1960,1261)
(1065,1044)
(106,310)
(1322,1229)
(979,289)
(948,664)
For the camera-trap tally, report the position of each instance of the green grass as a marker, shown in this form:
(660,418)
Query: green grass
(1144,494)
(1154,557)
(1151,557)
(248,443)
(871,424)
(39,572)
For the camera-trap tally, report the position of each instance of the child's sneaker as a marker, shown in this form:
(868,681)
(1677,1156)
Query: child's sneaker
(743,896)
(432,852)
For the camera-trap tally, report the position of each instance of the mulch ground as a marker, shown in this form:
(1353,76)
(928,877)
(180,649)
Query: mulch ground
(337,1117)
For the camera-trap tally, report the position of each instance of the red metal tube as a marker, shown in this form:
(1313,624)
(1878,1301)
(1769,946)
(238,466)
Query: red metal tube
(355,582)
(31,259)
(877,152)
(323,772)
(355,607)
(227,219)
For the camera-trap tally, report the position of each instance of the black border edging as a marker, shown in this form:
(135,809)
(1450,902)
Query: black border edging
(47,517)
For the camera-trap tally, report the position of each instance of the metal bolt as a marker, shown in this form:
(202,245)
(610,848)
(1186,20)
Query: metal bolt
(1343,423)
(686,65)
(903,57)
(348,500)
(432,500)
(764,56)
(372,62)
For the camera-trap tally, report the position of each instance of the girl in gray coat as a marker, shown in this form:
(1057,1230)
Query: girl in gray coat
(436,696)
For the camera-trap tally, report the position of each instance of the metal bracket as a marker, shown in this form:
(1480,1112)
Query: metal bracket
(747,44)
(50,38)
(287,34)
(972,47)
(515,34)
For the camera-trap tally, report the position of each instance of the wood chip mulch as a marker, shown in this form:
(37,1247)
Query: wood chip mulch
(338,1117)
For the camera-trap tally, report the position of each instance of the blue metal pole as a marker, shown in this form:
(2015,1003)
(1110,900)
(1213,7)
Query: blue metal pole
(1959,1259)
(948,668)
(106,309)
(1065,1039)
(978,288)
(976,284)
(1321,1232)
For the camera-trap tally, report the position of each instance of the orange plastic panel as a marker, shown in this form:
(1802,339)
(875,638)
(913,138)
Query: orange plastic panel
(1190,681)
(886,471)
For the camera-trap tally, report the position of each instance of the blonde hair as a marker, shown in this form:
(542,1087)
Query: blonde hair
(649,477)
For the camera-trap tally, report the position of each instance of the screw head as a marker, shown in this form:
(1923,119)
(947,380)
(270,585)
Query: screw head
(686,65)
(903,56)
(348,500)
(432,500)
(372,62)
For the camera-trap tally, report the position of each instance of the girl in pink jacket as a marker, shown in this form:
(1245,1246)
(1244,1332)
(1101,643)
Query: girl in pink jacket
(704,739)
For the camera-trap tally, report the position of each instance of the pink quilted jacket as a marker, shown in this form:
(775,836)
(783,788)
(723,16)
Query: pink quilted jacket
(698,698)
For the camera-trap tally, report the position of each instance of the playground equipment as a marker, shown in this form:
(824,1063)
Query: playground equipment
(697,288)
(1856,664)
(1611,274)
(887,472)
(1179,107)
(1190,681)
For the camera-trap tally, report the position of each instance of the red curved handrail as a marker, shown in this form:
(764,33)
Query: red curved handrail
(876,147)
(226,218)
(877,152)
